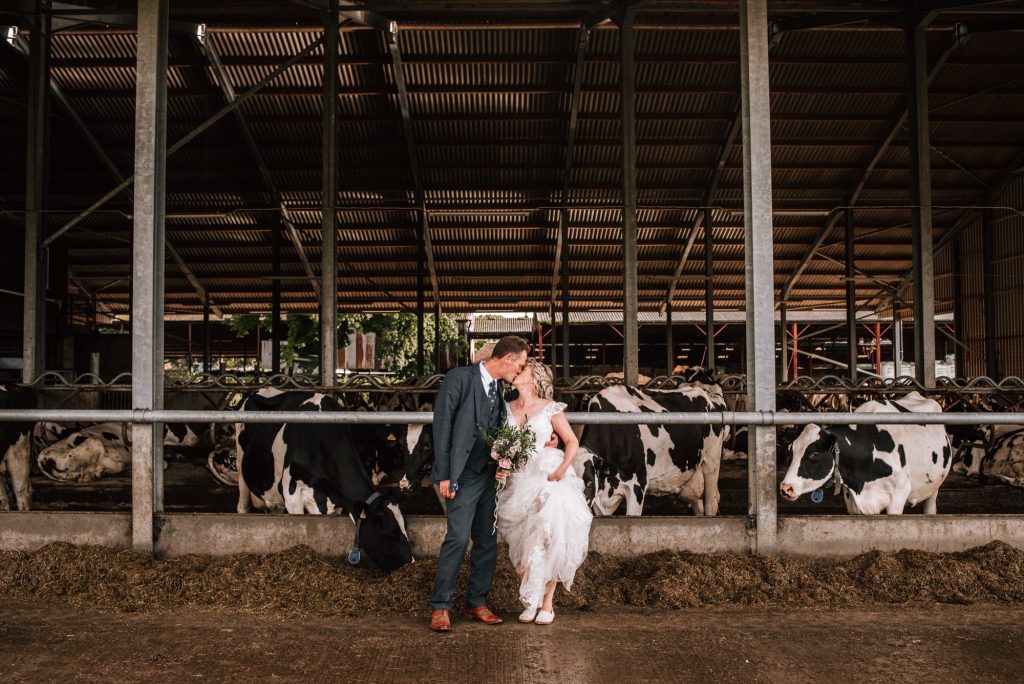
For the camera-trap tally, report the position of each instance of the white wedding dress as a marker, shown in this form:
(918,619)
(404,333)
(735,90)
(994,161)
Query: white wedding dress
(546,524)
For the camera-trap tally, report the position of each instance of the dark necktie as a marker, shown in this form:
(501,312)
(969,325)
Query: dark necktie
(492,392)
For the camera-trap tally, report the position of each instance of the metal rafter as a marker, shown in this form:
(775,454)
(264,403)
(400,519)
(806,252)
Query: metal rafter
(207,48)
(195,133)
(391,38)
(582,41)
(958,38)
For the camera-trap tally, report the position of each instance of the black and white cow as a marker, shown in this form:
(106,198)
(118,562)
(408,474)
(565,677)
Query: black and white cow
(880,467)
(1004,459)
(315,468)
(398,452)
(631,462)
(15,450)
(85,454)
(992,451)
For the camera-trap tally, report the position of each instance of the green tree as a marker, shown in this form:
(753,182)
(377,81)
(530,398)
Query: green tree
(396,338)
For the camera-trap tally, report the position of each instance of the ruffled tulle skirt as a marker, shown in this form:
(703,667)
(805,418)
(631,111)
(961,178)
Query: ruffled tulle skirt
(546,525)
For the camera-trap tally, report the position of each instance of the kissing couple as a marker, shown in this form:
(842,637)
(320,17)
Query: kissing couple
(541,510)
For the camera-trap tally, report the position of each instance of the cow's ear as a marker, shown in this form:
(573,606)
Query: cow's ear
(827,439)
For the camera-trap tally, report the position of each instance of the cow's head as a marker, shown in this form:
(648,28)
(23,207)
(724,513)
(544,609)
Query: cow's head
(382,531)
(420,440)
(815,453)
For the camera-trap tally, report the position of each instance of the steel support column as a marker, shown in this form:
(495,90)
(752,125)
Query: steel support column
(34,305)
(437,337)
(207,360)
(959,327)
(148,267)
(783,339)
(329,225)
(988,293)
(564,276)
(277,238)
(897,341)
(709,287)
(554,339)
(851,301)
(757,205)
(921,200)
(630,327)
(670,347)
(421,295)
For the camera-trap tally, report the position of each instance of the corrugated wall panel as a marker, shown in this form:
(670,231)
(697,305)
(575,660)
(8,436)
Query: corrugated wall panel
(1007,269)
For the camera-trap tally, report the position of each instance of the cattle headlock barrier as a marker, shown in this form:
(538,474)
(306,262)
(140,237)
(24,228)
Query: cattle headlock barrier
(831,536)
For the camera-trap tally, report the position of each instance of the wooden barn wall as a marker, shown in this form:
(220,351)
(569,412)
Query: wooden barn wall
(1007,270)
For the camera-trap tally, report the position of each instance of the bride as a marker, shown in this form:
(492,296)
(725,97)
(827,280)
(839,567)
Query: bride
(542,512)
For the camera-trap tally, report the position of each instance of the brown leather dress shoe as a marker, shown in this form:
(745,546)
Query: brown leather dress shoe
(440,622)
(484,615)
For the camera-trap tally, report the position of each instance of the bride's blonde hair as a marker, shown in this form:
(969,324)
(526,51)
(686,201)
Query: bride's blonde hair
(543,379)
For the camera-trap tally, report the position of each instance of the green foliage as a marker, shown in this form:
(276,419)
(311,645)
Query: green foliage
(396,338)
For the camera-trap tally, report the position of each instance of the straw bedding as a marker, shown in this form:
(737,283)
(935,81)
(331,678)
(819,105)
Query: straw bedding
(299,582)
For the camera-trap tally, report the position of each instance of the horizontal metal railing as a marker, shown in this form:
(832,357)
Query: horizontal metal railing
(425,417)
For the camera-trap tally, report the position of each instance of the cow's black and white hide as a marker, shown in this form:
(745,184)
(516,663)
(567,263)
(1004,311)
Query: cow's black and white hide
(85,454)
(631,462)
(879,467)
(15,450)
(736,446)
(990,451)
(384,449)
(315,468)
(1004,459)
(397,452)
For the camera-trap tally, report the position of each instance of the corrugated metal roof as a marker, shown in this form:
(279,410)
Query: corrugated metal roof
(490,114)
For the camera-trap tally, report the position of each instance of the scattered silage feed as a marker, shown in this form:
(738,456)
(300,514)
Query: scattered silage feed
(299,582)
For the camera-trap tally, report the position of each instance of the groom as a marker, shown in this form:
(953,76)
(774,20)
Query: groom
(470,400)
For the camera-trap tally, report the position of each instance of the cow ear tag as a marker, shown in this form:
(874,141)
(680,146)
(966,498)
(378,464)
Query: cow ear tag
(363,515)
(354,556)
(817,495)
(391,437)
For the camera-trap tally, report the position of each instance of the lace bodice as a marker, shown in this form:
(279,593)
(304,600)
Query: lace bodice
(540,422)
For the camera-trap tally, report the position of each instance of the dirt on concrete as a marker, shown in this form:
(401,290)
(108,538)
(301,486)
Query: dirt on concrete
(47,642)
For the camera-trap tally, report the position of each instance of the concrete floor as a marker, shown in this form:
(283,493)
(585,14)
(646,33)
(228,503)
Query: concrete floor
(41,643)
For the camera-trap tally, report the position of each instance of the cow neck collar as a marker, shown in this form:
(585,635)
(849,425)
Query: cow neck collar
(837,476)
(354,554)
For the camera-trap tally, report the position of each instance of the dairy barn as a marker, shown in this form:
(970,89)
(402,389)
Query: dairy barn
(814,209)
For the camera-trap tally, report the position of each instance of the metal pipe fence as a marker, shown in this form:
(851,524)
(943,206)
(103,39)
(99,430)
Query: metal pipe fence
(144,416)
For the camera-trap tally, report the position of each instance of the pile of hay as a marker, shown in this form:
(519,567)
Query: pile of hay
(299,582)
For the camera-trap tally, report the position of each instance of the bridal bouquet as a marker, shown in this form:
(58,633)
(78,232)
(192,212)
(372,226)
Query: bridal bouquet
(510,447)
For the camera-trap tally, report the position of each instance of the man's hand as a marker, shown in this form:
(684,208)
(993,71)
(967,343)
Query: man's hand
(446,491)
(552,443)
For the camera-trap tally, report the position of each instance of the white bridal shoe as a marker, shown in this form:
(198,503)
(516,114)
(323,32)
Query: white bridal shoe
(545,617)
(528,615)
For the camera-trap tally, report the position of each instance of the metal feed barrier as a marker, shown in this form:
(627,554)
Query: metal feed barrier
(830,536)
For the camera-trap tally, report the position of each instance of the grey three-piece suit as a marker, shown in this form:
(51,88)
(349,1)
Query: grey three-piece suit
(462,456)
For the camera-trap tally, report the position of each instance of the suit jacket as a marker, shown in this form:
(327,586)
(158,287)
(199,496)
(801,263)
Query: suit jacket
(461,409)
